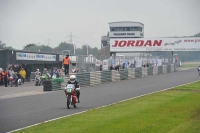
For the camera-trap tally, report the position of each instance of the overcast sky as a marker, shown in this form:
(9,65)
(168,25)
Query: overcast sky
(35,21)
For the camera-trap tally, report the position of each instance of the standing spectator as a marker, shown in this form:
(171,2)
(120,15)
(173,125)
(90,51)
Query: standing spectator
(15,77)
(1,76)
(66,62)
(23,74)
(100,67)
(111,67)
(28,74)
(56,72)
(117,68)
(6,78)
(123,67)
(11,72)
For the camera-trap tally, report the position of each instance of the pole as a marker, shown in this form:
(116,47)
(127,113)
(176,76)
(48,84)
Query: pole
(87,48)
(74,48)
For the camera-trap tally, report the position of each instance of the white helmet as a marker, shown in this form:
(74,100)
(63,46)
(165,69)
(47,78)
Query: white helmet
(37,70)
(72,78)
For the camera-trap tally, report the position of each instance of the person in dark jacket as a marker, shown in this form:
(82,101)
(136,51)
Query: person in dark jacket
(28,74)
(117,68)
(111,67)
(6,78)
(100,67)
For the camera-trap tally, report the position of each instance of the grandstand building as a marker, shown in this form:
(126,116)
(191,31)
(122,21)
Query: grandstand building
(121,29)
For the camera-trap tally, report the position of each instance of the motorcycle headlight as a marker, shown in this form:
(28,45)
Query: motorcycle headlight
(65,88)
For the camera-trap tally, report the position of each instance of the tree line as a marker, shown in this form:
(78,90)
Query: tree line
(62,46)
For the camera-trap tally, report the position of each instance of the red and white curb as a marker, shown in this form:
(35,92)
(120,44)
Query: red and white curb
(99,107)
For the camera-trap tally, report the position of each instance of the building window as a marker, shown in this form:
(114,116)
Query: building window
(126,29)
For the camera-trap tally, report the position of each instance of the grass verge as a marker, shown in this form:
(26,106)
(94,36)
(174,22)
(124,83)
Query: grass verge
(190,64)
(172,111)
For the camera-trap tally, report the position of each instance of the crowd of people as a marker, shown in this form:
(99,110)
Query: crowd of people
(14,77)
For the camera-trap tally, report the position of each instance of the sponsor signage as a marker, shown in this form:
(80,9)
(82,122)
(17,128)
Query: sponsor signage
(155,44)
(126,34)
(34,56)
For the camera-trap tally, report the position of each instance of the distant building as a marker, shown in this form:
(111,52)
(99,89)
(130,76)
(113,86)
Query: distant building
(121,29)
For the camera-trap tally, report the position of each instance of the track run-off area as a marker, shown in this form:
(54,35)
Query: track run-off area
(25,110)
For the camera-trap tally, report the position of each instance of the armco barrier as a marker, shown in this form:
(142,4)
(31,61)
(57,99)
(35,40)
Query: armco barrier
(123,74)
(115,76)
(99,77)
(131,73)
(138,72)
(93,78)
(144,72)
(155,70)
(150,71)
(168,68)
(160,70)
(105,76)
(164,69)
(172,68)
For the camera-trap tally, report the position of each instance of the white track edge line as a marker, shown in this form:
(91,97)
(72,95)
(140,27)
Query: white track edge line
(100,107)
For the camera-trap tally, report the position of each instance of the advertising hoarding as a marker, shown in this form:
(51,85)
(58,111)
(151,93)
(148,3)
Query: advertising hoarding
(34,56)
(154,44)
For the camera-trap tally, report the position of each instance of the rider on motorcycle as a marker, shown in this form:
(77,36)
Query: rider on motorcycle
(198,70)
(46,73)
(72,80)
(37,72)
(37,75)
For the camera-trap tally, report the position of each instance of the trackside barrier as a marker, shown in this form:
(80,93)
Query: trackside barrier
(131,73)
(168,68)
(155,70)
(144,71)
(150,71)
(138,72)
(115,76)
(160,70)
(172,68)
(123,74)
(164,69)
(100,77)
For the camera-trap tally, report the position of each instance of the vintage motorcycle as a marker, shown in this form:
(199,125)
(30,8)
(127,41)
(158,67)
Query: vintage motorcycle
(71,95)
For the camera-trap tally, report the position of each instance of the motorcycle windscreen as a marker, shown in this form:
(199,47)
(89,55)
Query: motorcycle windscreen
(70,88)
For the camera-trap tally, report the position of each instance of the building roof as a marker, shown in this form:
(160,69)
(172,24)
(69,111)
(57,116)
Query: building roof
(125,22)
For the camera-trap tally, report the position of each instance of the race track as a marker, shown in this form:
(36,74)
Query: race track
(23,111)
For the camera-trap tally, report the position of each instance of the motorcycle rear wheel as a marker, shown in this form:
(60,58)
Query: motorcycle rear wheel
(74,105)
(36,84)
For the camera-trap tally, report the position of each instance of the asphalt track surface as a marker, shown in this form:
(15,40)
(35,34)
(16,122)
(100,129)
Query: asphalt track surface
(24,111)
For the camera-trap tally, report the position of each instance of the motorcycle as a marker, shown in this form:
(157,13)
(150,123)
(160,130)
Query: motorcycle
(71,95)
(44,77)
(19,81)
(37,80)
(11,80)
(54,76)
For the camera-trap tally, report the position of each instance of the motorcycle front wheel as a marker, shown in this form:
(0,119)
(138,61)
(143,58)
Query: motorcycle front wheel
(68,101)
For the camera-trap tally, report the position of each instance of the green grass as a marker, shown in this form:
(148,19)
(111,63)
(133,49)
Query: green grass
(191,64)
(172,111)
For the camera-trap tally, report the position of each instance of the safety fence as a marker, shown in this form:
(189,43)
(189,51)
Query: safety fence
(98,63)
(101,77)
